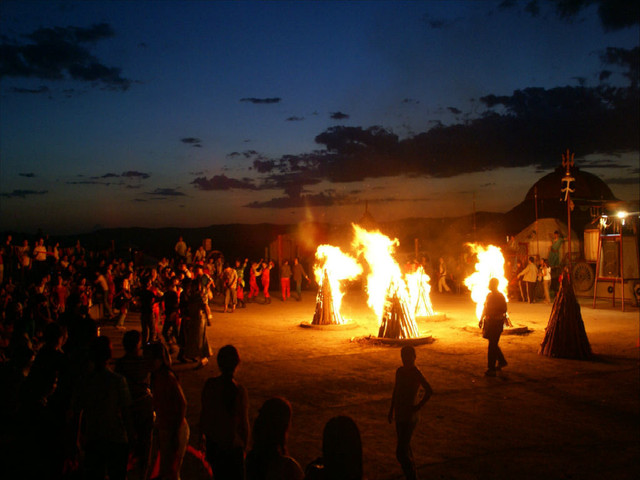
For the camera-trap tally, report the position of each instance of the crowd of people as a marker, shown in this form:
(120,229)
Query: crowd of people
(82,414)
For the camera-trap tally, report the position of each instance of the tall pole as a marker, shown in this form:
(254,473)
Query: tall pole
(535,200)
(567,162)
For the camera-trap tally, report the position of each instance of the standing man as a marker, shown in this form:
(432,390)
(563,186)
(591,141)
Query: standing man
(285,280)
(554,258)
(530,276)
(298,273)
(403,404)
(230,279)
(181,249)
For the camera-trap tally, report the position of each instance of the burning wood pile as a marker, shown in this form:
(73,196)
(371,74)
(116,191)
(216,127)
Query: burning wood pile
(490,265)
(398,320)
(395,298)
(565,335)
(326,313)
(388,294)
(333,267)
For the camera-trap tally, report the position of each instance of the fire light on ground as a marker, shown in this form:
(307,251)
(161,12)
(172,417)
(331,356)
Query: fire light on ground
(332,268)
(490,264)
(387,290)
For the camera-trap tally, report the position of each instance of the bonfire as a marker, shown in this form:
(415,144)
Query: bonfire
(490,265)
(332,269)
(387,290)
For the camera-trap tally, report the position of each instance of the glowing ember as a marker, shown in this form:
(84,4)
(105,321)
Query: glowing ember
(490,264)
(335,267)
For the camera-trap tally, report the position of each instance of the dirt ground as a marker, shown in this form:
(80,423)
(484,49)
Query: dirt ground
(540,418)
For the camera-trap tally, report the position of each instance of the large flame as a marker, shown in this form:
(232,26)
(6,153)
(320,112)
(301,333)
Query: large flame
(384,276)
(490,265)
(419,292)
(338,267)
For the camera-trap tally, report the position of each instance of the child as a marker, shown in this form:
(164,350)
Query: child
(408,380)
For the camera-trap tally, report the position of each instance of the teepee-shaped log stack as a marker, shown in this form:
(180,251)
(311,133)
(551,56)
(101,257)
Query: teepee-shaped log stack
(326,313)
(397,319)
(565,336)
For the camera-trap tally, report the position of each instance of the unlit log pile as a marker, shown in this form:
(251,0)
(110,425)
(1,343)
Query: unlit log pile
(325,313)
(397,319)
(565,336)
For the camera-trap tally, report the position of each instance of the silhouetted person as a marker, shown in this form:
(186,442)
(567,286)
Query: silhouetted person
(170,405)
(341,452)
(224,418)
(409,379)
(494,317)
(137,371)
(268,458)
(103,403)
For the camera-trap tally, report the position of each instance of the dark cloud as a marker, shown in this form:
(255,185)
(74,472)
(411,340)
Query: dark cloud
(110,175)
(626,59)
(321,199)
(27,175)
(61,53)
(411,100)
(437,23)
(533,127)
(632,180)
(41,89)
(339,116)
(166,192)
(454,110)
(89,182)
(261,100)
(192,141)
(134,174)
(23,193)
(601,164)
(294,119)
(222,182)
(613,14)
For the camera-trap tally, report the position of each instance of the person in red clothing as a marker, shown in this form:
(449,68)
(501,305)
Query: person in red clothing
(170,405)
(285,280)
(266,271)
(254,273)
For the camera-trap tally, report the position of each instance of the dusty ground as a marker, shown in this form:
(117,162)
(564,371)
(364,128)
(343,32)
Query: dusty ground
(541,418)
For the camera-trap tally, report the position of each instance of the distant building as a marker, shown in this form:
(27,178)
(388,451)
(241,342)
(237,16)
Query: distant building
(590,197)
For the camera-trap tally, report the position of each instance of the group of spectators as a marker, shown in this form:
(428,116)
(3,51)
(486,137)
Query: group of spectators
(71,411)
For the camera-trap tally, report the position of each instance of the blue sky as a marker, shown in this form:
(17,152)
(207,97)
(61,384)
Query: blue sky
(165,113)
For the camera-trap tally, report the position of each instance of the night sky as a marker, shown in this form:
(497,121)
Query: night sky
(187,114)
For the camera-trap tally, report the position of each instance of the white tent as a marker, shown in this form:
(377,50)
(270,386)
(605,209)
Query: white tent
(538,237)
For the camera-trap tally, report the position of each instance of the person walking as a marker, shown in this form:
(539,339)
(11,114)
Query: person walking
(298,274)
(494,317)
(409,380)
(442,276)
